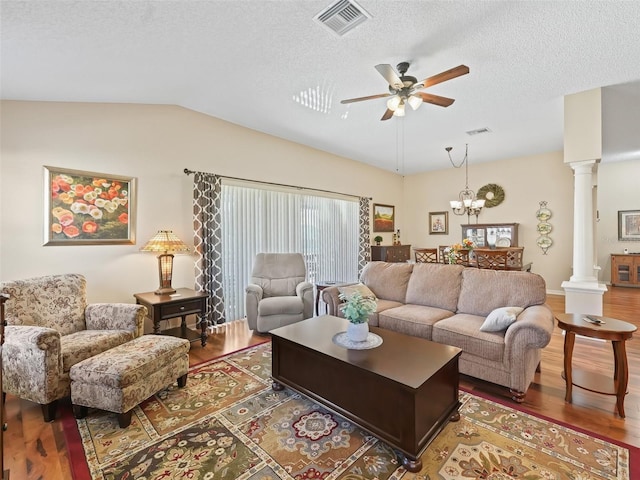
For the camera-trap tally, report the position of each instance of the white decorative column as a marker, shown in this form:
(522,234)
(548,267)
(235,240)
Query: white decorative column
(582,152)
(583,292)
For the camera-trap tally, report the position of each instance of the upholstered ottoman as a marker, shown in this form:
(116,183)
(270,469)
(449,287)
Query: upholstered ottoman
(120,378)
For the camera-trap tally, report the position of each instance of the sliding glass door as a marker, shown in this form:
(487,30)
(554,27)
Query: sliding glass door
(263,220)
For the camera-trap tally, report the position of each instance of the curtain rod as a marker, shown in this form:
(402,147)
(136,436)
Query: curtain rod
(189,172)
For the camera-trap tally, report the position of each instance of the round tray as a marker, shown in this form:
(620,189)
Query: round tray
(372,341)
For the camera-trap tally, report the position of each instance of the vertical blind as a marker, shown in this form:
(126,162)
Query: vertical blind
(260,220)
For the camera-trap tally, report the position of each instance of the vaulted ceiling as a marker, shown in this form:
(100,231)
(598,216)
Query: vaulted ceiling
(269,66)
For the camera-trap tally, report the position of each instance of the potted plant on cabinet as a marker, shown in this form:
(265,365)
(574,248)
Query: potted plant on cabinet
(357,309)
(378,239)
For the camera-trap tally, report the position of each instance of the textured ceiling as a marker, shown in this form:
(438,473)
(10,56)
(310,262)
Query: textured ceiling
(256,63)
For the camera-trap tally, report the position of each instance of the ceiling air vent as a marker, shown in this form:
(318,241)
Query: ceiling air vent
(342,16)
(478,131)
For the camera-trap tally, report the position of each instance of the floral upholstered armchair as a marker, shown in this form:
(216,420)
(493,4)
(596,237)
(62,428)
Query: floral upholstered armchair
(50,328)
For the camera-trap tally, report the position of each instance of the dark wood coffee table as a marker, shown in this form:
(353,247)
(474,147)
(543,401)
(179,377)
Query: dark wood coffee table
(404,391)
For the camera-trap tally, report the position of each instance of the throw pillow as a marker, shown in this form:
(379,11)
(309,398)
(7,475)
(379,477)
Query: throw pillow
(500,319)
(349,290)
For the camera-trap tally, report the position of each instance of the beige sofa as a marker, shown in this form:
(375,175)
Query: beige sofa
(449,303)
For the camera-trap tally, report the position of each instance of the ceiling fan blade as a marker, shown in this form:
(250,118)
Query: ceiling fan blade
(435,99)
(370,97)
(390,75)
(387,115)
(444,76)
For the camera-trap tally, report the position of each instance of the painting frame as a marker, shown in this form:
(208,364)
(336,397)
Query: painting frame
(438,223)
(384,218)
(629,225)
(88,208)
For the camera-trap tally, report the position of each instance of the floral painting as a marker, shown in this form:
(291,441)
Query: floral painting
(88,208)
(438,223)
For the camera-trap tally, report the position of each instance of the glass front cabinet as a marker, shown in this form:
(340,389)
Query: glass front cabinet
(490,235)
(625,270)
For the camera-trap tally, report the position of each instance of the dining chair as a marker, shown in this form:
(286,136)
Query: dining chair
(426,255)
(514,258)
(494,259)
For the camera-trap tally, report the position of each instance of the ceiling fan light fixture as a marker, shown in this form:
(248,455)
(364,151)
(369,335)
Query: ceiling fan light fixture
(399,112)
(415,101)
(393,103)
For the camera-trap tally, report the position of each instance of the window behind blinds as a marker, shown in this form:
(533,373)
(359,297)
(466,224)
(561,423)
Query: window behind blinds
(257,220)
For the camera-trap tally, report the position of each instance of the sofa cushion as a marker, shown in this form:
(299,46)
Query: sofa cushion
(435,285)
(388,281)
(414,320)
(485,290)
(363,290)
(463,331)
(500,319)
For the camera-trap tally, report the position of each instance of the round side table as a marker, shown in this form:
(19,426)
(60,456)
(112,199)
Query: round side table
(321,286)
(616,331)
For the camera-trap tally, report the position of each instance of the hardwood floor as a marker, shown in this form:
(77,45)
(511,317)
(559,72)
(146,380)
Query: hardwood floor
(37,450)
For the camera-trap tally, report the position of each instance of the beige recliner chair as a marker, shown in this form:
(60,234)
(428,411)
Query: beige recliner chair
(278,294)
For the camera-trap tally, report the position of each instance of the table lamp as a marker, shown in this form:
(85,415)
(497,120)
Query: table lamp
(167,243)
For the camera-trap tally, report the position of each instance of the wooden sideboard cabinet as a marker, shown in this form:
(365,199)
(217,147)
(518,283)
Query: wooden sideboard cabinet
(492,234)
(625,270)
(390,253)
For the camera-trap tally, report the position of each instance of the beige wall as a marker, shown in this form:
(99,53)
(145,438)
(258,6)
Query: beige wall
(618,189)
(154,144)
(526,181)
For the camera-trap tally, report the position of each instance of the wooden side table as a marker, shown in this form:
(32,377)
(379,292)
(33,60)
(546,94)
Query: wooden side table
(180,304)
(321,286)
(616,331)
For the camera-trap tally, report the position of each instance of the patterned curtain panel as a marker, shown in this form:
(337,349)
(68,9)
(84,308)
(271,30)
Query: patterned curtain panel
(208,233)
(364,247)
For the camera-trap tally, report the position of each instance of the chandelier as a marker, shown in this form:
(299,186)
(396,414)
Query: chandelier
(467,201)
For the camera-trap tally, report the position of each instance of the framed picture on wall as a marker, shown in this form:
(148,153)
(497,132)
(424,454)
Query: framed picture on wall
(438,223)
(629,225)
(88,208)
(383,218)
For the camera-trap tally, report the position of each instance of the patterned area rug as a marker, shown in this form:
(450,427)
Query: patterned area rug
(228,423)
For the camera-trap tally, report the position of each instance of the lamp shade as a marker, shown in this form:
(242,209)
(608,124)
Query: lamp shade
(165,241)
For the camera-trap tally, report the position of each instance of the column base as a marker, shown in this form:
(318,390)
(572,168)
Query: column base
(583,297)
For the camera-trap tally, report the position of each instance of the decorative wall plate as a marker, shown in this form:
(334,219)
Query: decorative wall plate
(544,228)
(544,242)
(543,214)
(492,194)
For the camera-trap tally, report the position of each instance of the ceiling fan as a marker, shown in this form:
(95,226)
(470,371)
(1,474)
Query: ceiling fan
(404,89)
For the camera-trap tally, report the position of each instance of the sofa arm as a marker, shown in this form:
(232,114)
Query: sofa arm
(116,316)
(533,329)
(31,362)
(330,297)
(253,295)
(304,290)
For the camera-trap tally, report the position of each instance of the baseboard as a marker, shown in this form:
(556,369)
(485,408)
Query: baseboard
(555,292)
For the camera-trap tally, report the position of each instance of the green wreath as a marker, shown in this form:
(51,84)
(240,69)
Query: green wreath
(492,194)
